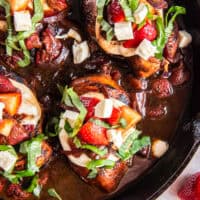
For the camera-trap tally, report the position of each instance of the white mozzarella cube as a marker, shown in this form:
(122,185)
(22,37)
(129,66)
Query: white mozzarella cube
(80,52)
(7,160)
(2,106)
(115,136)
(123,31)
(145,49)
(185,39)
(140,13)
(159,148)
(117,103)
(104,109)
(71,117)
(22,21)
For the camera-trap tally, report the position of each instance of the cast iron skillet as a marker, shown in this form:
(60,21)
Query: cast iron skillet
(187,138)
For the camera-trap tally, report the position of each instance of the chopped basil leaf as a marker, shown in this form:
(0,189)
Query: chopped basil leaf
(140,144)
(34,187)
(15,178)
(165,28)
(123,122)
(68,128)
(94,149)
(100,8)
(160,41)
(33,148)
(124,150)
(99,122)
(127,10)
(65,98)
(133,4)
(52,123)
(74,98)
(108,29)
(92,174)
(52,192)
(101,152)
(100,163)
(27,58)
(133,144)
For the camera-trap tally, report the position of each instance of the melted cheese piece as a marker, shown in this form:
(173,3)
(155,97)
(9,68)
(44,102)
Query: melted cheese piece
(7,160)
(29,105)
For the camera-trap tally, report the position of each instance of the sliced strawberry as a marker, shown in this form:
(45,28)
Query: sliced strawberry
(18,134)
(115,12)
(33,42)
(6,126)
(90,104)
(115,117)
(190,189)
(148,31)
(12,102)
(93,134)
(6,85)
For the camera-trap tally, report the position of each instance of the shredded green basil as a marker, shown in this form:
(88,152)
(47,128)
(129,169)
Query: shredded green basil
(100,123)
(165,28)
(52,192)
(75,101)
(100,163)
(27,58)
(132,145)
(92,148)
(127,10)
(35,187)
(54,124)
(105,26)
(133,4)
(123,122)
(93,173)
(33,148)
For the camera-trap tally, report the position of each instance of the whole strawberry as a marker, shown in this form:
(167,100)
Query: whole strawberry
(191,188)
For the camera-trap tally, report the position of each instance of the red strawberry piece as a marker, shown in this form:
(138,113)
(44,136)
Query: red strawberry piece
(33,42)
(93,134)
(6,85)
(191,188)
(148,31)
(115,12)
(90,104)
(114,119)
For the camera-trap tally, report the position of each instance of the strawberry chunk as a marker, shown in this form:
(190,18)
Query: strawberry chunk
(33,42)
(6,85)
(93,134)
(115,12)
(148,32)
(191,188)
(6,126)
(12,102)
(89,104)
(115,116)
(18,134)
